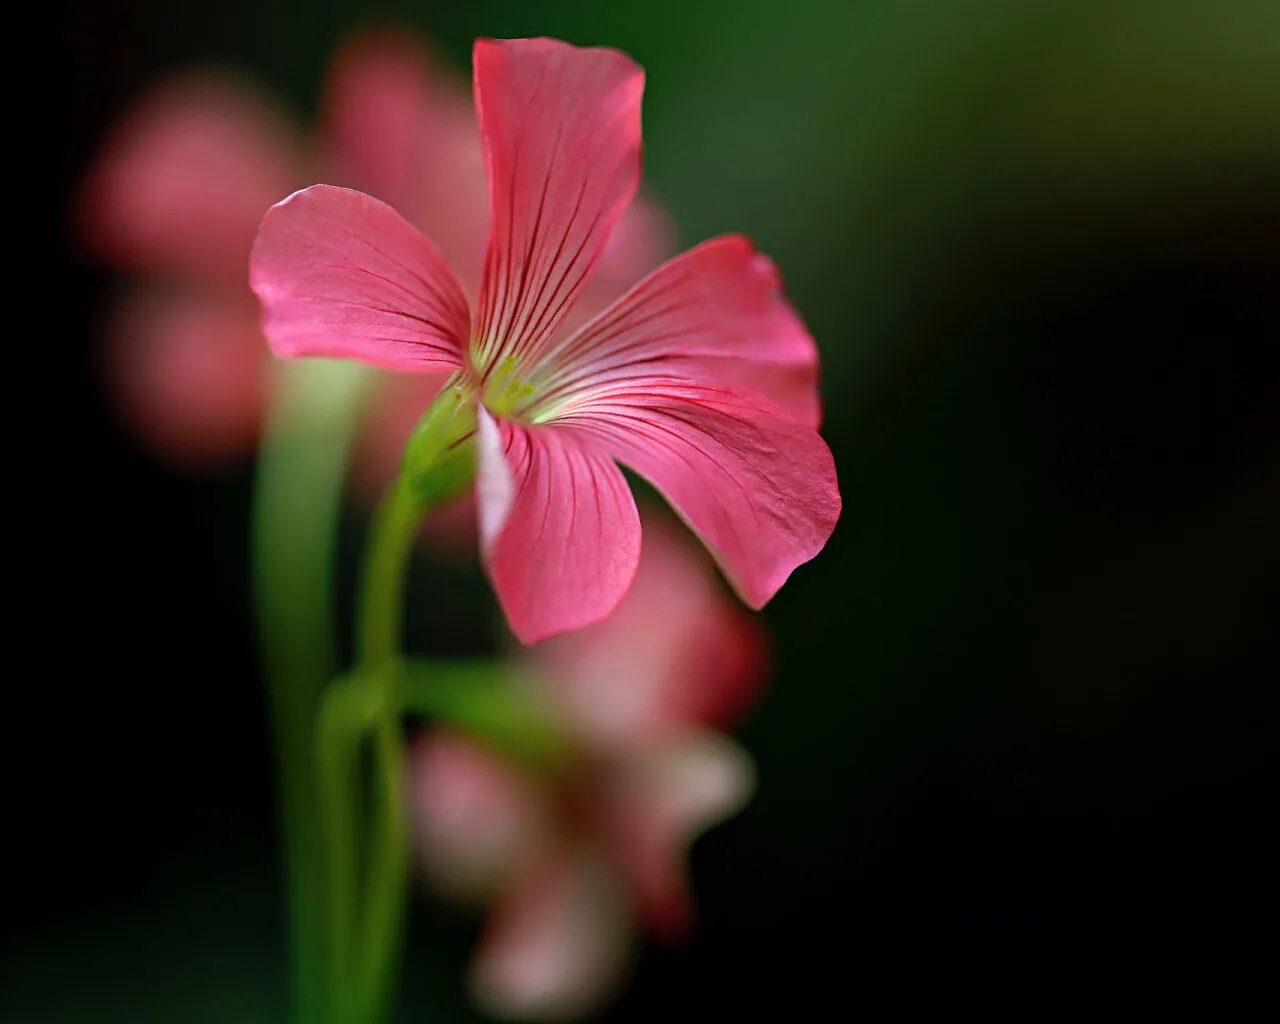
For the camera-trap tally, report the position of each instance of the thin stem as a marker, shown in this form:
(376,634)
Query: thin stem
(382,585)
(437,465)
(389,872)
(296,503)
(346,713)
(380,615)
(490,701)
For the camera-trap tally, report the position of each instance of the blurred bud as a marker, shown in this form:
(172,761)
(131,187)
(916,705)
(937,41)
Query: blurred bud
(181,184)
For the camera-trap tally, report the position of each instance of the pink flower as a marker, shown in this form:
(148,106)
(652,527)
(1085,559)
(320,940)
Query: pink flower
(574,864)
(176,196)
(701,378)
(402,131)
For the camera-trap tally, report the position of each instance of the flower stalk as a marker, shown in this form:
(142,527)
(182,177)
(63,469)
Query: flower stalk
(297,497)
(366,916)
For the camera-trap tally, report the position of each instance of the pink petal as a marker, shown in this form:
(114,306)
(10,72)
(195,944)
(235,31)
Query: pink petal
(714,314)
(400,127)
(757,486)
(341,274)
(677,652)
(561,129)
(558,527)
(642,238)
(559,942)
(476,819)
(182,183)
(661,803)
(189,373)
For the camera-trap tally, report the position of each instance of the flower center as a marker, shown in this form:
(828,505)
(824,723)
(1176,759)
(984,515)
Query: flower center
(504,392)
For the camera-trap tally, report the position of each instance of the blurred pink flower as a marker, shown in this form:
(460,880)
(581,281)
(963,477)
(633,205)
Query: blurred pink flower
(701,377)
(185,365)
(576,863)
(175,198)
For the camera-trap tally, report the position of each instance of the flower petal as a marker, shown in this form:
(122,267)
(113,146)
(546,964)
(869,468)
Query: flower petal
(677,652)
(559,942)
(189,372)
(561,129)
(341,274)
(714,314)
(661,803)
(478,821)
(757,486)
(401,128)
(182,183)
(558,527)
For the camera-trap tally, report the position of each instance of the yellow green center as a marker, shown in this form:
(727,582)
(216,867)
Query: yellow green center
(505,392)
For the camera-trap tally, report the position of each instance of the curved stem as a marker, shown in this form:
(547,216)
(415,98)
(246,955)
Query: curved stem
(490,701)
(347,711)
(297,496)
(382,585)
(380,615)
(389,872)
(437,464)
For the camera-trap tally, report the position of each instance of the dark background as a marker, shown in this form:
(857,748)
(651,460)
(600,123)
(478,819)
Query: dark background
(1014,757)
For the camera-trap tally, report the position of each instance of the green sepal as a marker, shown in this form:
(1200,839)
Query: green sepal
(439,459)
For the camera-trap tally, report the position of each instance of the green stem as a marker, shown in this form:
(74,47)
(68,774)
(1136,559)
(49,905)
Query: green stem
(367,914)
(387,896)
(381,612)
(347,712)
(394,528)
(297,499)
(490,701)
